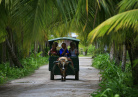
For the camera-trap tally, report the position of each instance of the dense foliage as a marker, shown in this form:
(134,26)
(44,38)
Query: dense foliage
(115,82)
(24,23)
(30,65)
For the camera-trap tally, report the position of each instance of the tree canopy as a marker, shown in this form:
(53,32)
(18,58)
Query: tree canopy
(24,23)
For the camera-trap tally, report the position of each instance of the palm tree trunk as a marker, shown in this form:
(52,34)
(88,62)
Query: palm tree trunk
(118,55)
(11,62)
(86,52)
(22,45)
(46,49)
(133,54)
(124,58)
(135,65)
(12,46)
(0,53)
(117,59)
(22,37)
(35,47)
(112,52)
(9,30)
(12,55)
(40,49)
(4,52)
(96,45)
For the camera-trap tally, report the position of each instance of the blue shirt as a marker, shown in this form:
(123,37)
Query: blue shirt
(62,50)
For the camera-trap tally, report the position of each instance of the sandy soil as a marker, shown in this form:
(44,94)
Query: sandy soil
(40,85)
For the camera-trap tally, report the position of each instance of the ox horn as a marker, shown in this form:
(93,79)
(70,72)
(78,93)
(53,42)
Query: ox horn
(69,62)
(56,62)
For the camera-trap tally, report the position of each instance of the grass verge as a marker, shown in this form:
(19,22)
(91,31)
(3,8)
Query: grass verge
(115,82)
(30,65)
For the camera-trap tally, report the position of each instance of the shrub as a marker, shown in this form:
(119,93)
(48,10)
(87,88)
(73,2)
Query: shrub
(101,61)
(91,49)
(30,65)
(2,77)
(115,83)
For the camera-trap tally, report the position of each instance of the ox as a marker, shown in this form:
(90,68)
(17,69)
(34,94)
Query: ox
(62,64)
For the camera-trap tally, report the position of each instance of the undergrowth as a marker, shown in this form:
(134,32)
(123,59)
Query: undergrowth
(30,65)
(114,83)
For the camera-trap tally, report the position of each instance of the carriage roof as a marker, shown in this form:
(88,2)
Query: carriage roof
(64,38)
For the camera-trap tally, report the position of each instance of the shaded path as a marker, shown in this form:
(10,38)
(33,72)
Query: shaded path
(40,85)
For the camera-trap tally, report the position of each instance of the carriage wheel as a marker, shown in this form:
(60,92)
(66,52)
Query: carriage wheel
(77,75)
(51,75)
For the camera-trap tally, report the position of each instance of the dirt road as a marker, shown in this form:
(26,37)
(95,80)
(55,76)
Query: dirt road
(40,85)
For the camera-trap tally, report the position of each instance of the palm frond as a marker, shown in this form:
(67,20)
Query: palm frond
(33,16)
(128,5)
(128,19)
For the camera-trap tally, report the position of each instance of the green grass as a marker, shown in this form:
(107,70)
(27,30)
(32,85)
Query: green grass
(30,65)
(115,83)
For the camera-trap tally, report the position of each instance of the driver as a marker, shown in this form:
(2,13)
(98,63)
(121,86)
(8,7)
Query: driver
(64,51)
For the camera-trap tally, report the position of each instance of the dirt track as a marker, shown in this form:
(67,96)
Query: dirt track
(40,85)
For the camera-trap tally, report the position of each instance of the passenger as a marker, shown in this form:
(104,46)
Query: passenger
(73,51)
(56,47)
(53,51)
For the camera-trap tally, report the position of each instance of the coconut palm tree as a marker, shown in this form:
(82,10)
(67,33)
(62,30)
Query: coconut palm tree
(7,33)
(122,23)
(24,22)
(125,23)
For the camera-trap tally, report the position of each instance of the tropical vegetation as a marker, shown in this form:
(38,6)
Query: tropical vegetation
(26,26)
(30,64)
(113,81)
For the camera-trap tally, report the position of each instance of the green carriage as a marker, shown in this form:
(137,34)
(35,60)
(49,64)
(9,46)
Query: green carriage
(75,60)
